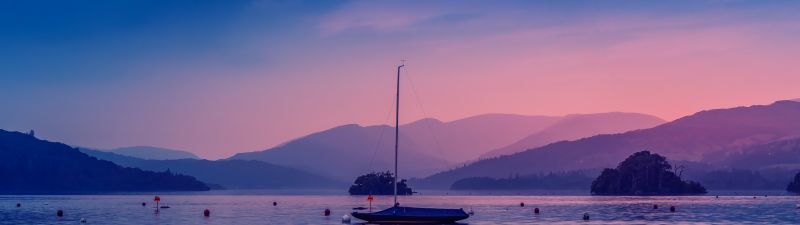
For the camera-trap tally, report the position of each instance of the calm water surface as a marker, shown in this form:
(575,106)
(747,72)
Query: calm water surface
(256,208)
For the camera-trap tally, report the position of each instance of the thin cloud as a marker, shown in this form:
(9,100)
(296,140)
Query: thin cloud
(377,16)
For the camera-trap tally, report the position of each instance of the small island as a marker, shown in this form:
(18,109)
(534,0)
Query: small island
(644,173)
(378,183)
(794,186)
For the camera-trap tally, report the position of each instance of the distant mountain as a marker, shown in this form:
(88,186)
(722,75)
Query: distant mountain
(149,152)
(32,166)
(429,145)
(774,155)
(349,151)
(466,139)
(691,138)
(573,127)
(232,174)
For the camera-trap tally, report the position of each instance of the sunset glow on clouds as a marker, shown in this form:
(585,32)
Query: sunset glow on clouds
(243,76)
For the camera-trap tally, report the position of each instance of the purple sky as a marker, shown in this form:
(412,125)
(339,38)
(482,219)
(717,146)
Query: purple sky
(233,76)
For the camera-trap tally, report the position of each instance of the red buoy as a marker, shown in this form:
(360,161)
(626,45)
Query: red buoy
(327,212)
(60,213)
(206,213)
(535,210)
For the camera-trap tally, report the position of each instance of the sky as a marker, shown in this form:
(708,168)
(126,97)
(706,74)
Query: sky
(221,77)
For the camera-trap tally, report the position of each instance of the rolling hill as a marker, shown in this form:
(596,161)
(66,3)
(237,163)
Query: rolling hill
(466,139)
(149,152)
(702,136)
(32,166)
(230,174)
(573,127)
(348,151)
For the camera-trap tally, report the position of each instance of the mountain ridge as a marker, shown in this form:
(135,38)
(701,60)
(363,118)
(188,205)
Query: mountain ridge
(33,166)
(151,152)
(249,174)
(689,138)
(576,126)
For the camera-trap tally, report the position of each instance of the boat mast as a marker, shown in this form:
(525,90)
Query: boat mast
(397,130)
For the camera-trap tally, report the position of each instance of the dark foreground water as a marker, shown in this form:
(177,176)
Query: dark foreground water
(256,208)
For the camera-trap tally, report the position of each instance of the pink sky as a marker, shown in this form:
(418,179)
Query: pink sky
(339,69)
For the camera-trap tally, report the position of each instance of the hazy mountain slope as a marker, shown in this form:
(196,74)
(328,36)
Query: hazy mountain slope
(688,138)
(573,127)
(348,151)
(149,152)
(30,165)
(779,154)
(237,174)
(466,139)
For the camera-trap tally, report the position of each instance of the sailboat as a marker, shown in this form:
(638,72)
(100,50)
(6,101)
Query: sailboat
(402,214)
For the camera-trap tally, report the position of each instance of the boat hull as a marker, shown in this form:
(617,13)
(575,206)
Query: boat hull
(413,215)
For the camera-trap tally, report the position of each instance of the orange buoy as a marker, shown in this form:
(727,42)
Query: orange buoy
(672,208)
(535,210)
(60,213)
(327,212)
(206,213)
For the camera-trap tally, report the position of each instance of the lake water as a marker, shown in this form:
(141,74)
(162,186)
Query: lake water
(253,207)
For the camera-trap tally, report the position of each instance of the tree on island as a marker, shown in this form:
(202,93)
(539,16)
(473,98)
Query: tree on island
(643,173)
(794,186)
(378,183)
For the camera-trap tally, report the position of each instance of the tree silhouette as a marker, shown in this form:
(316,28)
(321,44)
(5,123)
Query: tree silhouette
(794,186)
(644,173)
(380,183)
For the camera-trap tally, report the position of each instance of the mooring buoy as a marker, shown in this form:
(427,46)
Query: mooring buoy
(585,216)
(346,218)
(672,208)
(536,211)
(655,206)
(206,213)
(274,203)
(60,213)
(327,212)
(521,204)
